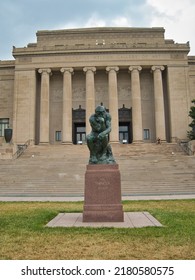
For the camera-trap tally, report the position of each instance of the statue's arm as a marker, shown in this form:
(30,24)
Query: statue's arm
(108,127)
(93,123)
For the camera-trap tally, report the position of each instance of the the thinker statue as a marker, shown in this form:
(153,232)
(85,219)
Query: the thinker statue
(97,140)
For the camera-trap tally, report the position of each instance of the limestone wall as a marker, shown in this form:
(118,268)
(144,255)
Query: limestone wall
(192,77)
(24,106)
(178,95)
(6,90)
(56,98)
(147,95)
(78,90)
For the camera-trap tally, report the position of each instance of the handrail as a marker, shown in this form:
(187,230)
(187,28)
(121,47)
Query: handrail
(185,146)
(21,149)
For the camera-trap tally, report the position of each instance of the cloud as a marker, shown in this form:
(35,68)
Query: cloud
(21,19)
(95,21)
(176,17)
(122,21)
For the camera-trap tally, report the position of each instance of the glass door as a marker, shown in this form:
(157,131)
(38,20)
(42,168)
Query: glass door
(80,134)
(124,136)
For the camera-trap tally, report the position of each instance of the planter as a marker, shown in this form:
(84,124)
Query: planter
(8,134)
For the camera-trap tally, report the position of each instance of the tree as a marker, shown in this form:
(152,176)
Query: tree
(191,134)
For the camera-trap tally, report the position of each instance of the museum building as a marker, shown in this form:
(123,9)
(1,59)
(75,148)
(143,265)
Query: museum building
(51,87)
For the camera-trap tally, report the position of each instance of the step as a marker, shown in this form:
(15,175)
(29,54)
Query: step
(60,170)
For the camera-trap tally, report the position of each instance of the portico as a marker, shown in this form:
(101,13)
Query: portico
(134,103)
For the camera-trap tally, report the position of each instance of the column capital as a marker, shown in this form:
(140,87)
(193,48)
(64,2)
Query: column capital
(135,67)
(68,69)
(44,70)
(157,67)
(91,68)
(112,68)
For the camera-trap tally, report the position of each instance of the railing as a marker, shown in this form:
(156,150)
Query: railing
(184,144)
(21,148)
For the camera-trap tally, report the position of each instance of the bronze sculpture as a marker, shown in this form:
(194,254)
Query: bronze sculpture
(98,139)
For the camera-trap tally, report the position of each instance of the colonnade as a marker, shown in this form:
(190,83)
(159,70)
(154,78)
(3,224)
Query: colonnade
(113,102)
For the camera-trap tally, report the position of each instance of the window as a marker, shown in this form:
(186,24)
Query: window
(146,134)
(58,136)
(80,134)
(4,123)
(123,133)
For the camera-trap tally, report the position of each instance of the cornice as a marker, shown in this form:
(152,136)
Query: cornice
(7,63)
(65,51)
(100,30)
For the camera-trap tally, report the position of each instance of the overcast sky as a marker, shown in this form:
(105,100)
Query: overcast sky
(20,19)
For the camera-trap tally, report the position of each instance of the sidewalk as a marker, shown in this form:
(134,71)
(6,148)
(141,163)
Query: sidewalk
(81,198)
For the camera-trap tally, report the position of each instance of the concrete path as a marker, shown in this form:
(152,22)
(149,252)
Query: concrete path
(81,198)
(131,220)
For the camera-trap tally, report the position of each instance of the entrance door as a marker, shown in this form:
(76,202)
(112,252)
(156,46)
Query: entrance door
(124,133)
(80,133)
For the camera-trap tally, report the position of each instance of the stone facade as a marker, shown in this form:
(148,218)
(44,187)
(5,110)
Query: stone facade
(52,87)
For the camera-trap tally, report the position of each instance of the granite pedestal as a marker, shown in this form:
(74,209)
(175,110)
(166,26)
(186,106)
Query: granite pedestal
(102,202)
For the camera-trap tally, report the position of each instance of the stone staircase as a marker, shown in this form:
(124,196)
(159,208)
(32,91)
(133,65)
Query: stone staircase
(146,169)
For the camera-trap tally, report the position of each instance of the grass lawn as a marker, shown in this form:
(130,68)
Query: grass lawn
(23,234)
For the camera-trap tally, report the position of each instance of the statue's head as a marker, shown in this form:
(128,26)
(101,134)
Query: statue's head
(100,111)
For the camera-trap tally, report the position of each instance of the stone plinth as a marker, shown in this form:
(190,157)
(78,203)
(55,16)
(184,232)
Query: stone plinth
(7,150)
(103,194)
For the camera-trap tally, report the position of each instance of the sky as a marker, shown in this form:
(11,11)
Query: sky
(21,19)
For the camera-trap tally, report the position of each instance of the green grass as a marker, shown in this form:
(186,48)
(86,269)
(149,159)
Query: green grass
(23,234)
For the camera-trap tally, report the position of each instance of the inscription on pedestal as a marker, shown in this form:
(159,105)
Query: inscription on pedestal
(103,194)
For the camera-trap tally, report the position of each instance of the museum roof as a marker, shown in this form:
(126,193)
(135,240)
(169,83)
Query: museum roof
(101,39)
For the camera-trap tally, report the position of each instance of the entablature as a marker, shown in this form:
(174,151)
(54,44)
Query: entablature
(65,49)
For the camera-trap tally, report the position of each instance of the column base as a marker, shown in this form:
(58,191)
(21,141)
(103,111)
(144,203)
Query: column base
(137,142)
(114,142)
(44,143)
(161,142)
(67,143)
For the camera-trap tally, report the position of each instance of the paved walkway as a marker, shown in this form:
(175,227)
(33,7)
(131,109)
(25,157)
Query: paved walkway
(131,220)
(81,198)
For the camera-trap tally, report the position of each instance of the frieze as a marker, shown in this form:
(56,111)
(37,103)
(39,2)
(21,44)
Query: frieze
(89,57)
(177,56)
(7,78)
(26,59)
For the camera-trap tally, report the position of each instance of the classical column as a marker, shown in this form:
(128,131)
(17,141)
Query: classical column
(113,102)
(159,102)
(90,95)
(136,104)
(44,106)
(67,106)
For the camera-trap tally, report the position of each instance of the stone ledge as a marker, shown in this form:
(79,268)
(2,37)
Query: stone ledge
(131,220)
